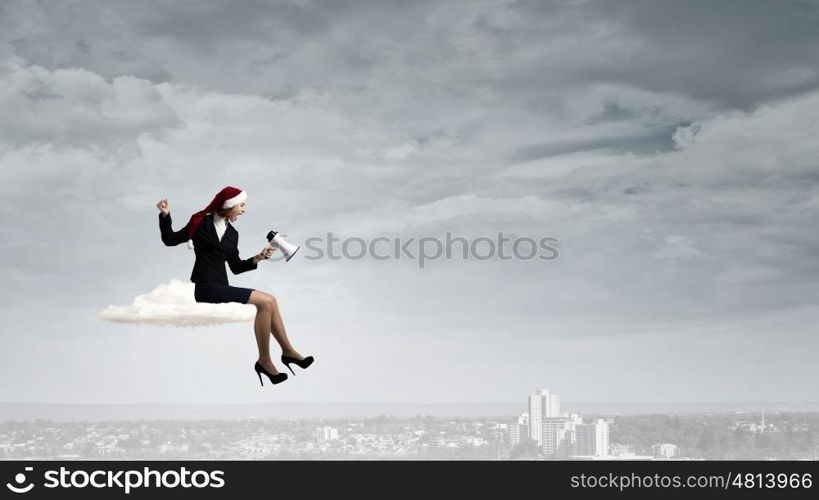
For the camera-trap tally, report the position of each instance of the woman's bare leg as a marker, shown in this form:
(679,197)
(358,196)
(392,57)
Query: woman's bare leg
(264,310)
(276,325)
(277,329)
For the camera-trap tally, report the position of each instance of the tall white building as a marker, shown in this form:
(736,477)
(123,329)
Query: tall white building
(519,429)
(558,436)
(325,434)
(541,405)
(536,418)
(554,406)
(514,435)
(592,439)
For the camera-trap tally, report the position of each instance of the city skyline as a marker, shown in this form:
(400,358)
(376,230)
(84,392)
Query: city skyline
(546,431)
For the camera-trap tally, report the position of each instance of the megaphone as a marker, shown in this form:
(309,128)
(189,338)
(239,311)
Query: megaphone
(288,249)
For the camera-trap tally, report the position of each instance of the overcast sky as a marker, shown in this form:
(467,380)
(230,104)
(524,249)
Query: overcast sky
(670,147)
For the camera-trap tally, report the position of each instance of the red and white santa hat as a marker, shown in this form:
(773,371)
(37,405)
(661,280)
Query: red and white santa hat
(228,197)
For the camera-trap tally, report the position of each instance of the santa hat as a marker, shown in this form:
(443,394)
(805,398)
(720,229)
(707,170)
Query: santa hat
(226,198)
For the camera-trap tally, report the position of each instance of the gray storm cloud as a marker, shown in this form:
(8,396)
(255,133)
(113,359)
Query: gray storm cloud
(668,146)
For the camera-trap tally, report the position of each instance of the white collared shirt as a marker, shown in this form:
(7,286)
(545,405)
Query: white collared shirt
(221,226)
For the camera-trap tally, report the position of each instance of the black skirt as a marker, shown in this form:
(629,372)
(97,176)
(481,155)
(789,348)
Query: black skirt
(217,292)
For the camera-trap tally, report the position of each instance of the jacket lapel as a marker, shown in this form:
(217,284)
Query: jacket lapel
(211,231)
(228,239)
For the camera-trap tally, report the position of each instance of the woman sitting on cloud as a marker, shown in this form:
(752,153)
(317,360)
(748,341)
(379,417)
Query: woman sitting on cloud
(215,241)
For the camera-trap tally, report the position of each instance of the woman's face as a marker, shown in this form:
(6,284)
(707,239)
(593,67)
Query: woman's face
(236,211)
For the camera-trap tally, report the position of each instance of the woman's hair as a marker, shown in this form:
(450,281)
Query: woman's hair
(222,212)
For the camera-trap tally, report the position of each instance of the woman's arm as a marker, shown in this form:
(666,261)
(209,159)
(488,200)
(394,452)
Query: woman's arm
(169,237)
(237,265)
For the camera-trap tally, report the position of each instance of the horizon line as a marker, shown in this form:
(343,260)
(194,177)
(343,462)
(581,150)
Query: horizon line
(523,401)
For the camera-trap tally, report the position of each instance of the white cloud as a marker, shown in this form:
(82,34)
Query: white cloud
(677,247)
(173,304)
(76,107)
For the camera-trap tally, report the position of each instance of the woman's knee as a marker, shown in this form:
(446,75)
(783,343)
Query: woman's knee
(262,300)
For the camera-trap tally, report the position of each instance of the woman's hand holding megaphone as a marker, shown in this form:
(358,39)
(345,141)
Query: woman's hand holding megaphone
(264,254)
(277,241)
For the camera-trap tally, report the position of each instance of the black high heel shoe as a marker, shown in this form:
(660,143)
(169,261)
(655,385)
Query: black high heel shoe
(301,363)
(277,378)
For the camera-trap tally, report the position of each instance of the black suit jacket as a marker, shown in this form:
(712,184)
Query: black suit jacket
(211,253)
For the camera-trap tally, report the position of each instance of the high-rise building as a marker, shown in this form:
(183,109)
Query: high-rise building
(541,405)
(325,434)
(592,439)
(558,436)
(554,406)
(514,435)
(536,418)
(519,429)
(602,433)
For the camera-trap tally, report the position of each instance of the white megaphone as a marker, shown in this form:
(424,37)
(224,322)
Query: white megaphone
(288,249)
